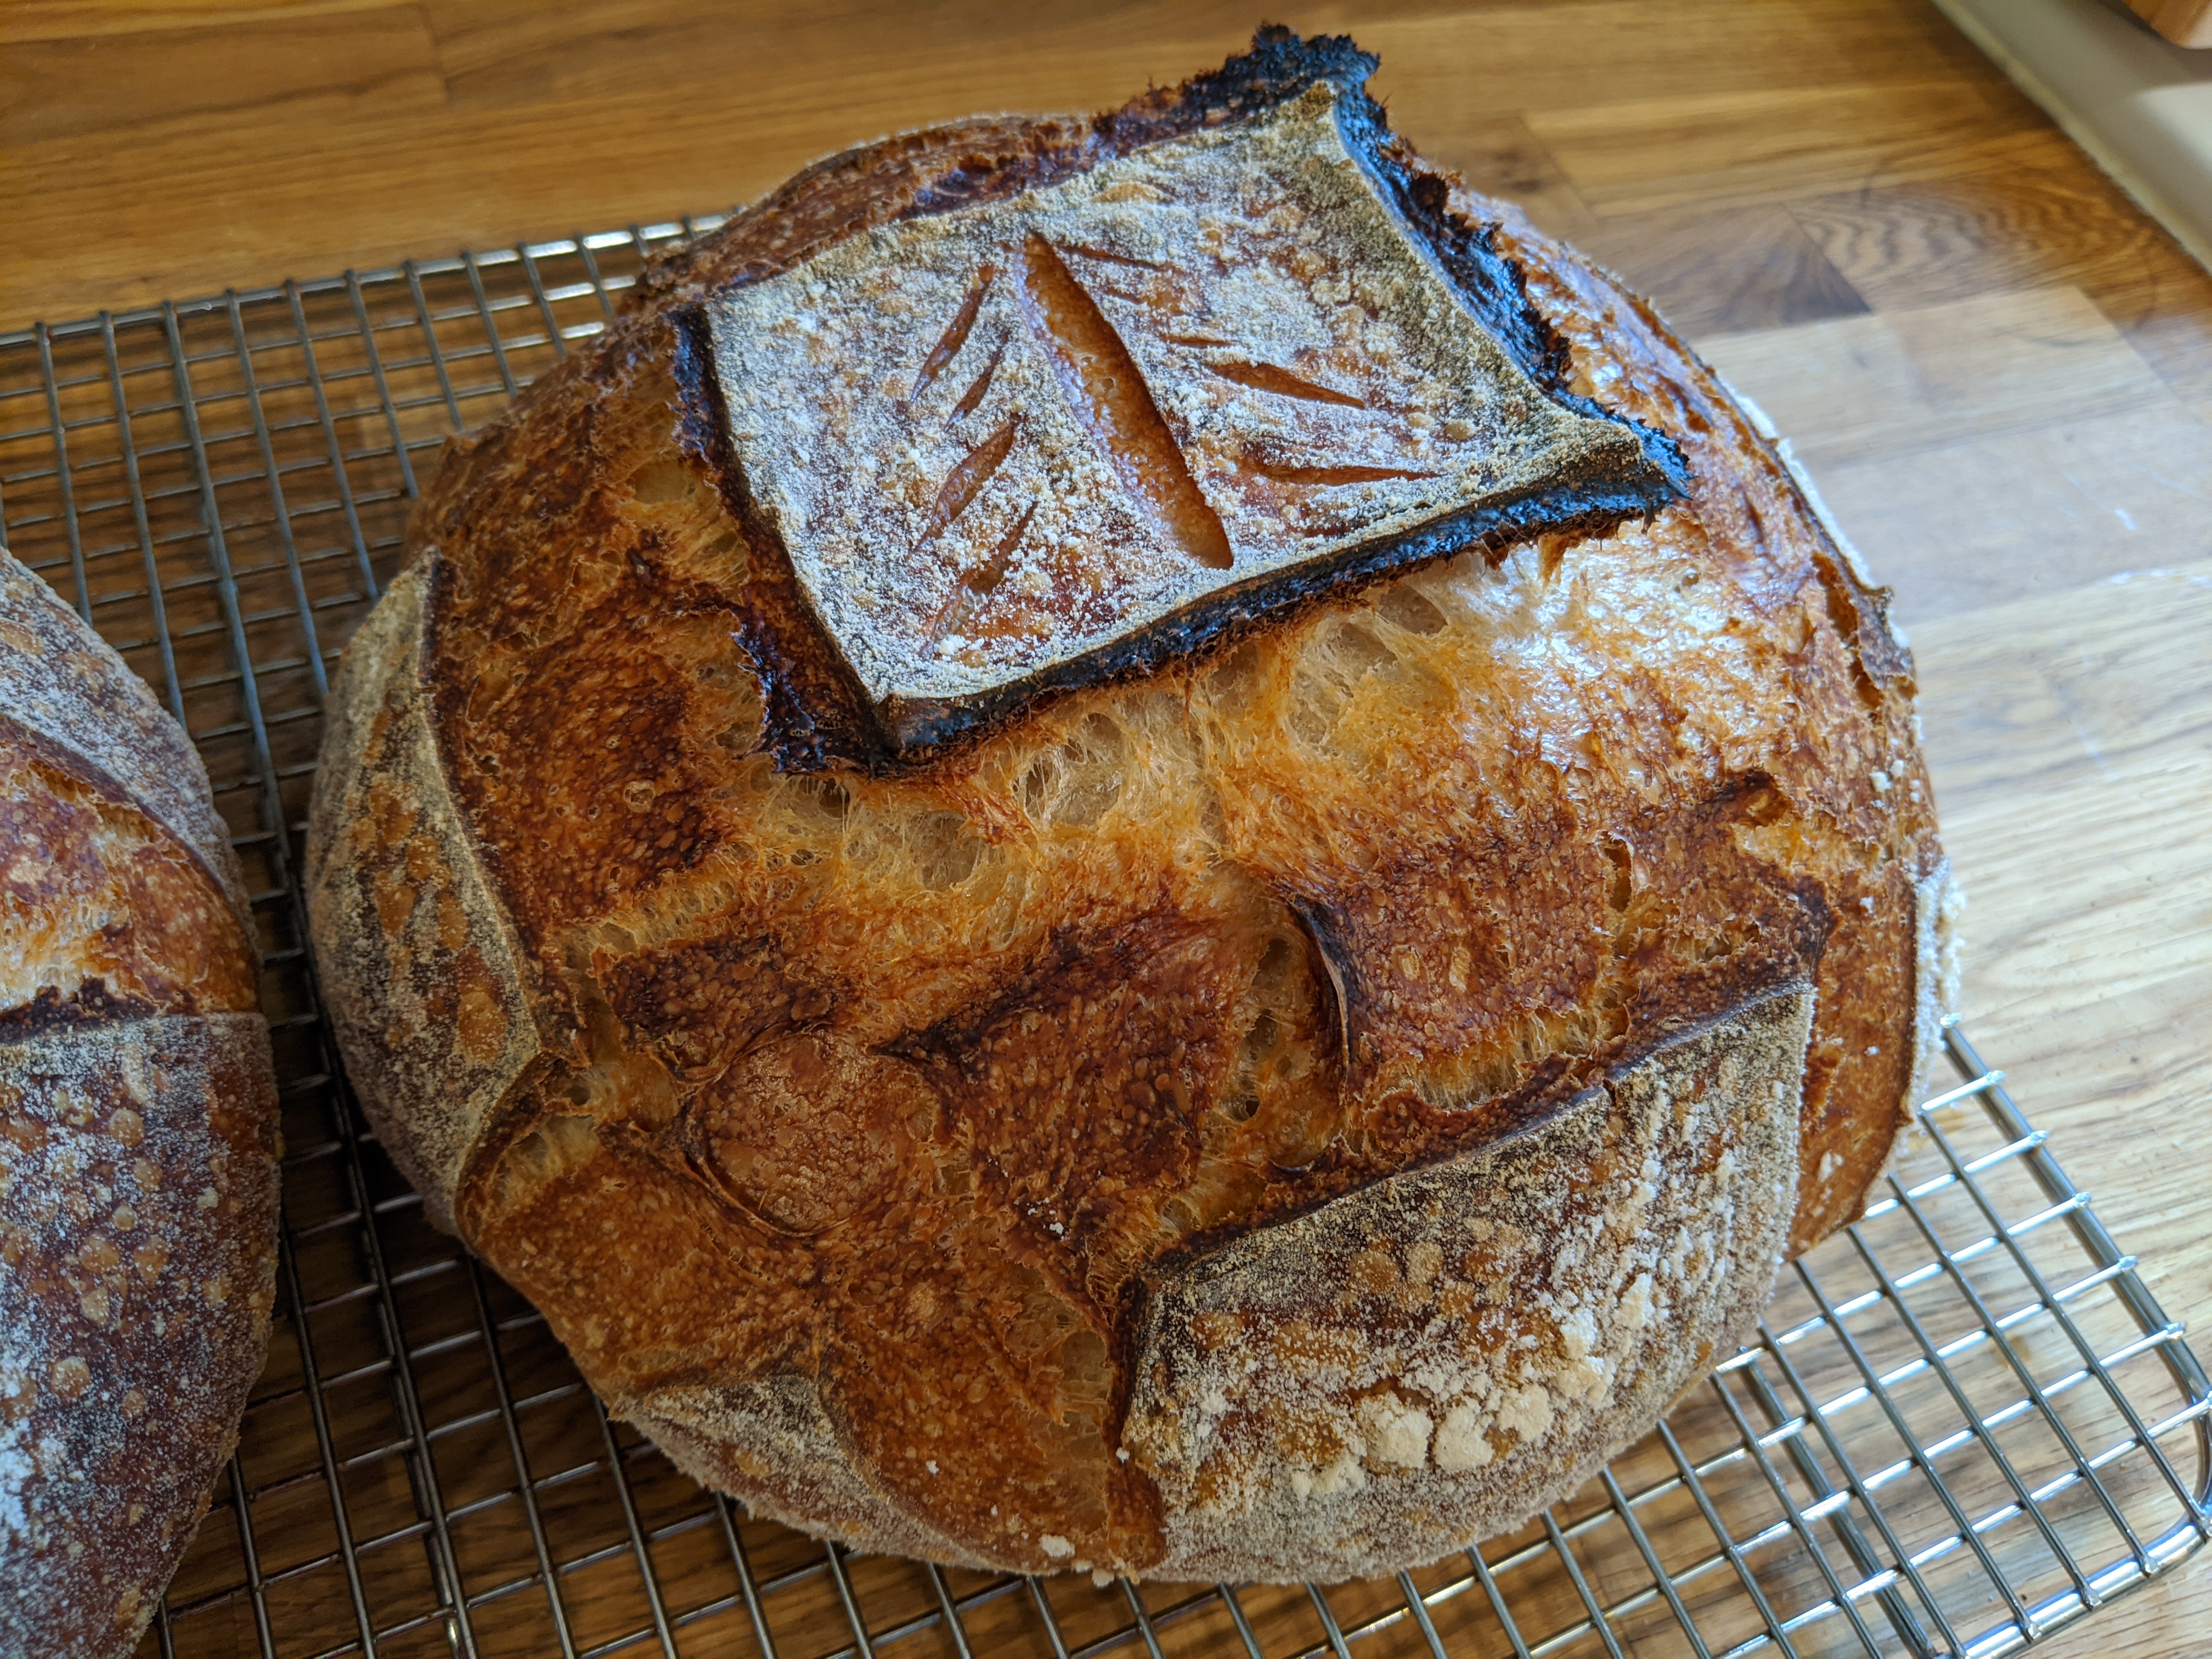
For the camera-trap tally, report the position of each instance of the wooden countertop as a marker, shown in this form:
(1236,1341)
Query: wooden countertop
(2000,372)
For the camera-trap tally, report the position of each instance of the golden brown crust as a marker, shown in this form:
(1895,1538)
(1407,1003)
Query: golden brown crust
(865,1104)
(404,934)
(1417,1363)
(60,680)
(106,914)
(138,1139)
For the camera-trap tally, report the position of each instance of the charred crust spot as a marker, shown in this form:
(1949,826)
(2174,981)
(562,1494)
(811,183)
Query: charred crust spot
(1106,1053)
(1328,948)
(700,1003)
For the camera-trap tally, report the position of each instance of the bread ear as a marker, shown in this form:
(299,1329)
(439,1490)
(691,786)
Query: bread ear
(1436,1356)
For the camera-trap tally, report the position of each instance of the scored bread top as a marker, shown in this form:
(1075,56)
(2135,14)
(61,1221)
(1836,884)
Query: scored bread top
(858,1120)
(1178,390)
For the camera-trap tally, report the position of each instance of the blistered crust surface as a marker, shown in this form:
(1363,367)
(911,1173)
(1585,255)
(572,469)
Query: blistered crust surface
(1420,1362)
(61,680)
(137,1267)
(415,962)
(992,440)
(899,1083)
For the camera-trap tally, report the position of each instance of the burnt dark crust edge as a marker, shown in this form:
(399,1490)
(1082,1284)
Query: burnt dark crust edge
(816,713)
(919,725)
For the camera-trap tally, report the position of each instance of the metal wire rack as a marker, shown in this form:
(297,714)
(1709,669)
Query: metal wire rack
(1965,1423)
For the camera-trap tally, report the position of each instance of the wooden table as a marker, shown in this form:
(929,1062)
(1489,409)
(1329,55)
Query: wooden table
(2000,372)
(2185,23)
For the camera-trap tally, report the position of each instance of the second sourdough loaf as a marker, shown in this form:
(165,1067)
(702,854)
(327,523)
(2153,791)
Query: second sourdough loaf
(138,1139)
(1137,843)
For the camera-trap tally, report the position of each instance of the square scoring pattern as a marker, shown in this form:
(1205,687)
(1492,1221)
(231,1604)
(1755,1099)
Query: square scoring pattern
(1966,1423)
(995,440)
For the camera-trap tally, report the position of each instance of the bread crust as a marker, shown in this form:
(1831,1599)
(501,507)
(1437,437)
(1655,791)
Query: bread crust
(141,1213)
(61,681)
(1075,543)
(138,1139)
(849,1121)
(419,971)
(1416,1363)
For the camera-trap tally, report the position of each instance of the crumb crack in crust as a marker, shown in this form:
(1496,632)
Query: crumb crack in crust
(849,1121)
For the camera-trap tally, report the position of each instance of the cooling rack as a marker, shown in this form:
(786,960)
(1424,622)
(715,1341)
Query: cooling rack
(1966,1422)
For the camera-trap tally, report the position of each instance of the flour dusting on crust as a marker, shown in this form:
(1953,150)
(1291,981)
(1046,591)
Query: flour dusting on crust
(138,1220)
(772,1440)
(1428,1360)
(995,440)
(1938,903)
(396,903)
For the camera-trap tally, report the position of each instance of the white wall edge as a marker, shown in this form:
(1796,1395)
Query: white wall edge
(2140,107)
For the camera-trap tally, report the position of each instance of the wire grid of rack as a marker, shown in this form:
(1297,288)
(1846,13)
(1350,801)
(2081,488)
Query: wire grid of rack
(1965,1423)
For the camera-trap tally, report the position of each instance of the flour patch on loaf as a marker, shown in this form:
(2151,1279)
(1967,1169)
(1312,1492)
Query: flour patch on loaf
(1430,1358)
(770,1442)
(418,962)
(137,1211)
(992,440)
(1939,905)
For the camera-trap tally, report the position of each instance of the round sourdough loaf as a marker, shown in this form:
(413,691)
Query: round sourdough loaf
(1138,844)
(137,1138)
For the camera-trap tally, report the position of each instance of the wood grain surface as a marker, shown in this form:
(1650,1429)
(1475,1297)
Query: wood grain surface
(1998,370)
(2184,22)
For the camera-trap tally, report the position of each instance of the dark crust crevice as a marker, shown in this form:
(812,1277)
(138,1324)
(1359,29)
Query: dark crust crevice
(818,715)
(91,1003)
